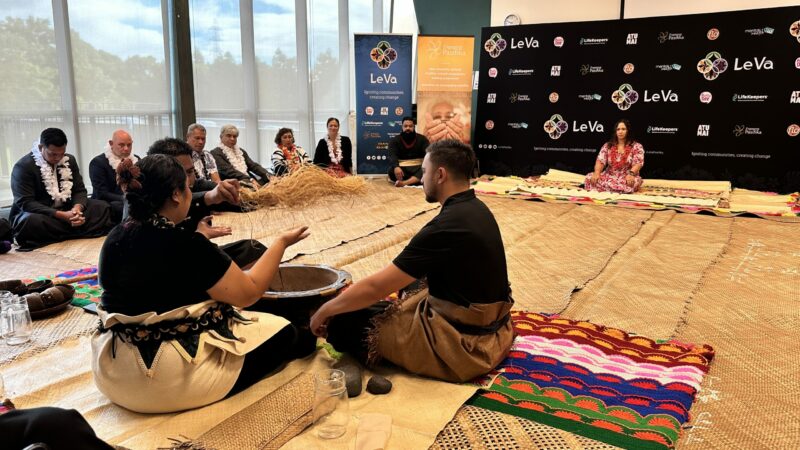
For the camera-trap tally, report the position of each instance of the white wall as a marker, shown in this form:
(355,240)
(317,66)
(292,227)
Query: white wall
(540,11)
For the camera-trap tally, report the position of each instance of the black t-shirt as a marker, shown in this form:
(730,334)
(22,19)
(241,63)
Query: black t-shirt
(143,268)
(461,252)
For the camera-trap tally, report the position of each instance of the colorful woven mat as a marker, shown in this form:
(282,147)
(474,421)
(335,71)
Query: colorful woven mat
(87,289)
(598,382)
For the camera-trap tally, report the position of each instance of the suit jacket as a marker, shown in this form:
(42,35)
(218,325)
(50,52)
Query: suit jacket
(30,194)
(104,179)
(227,171)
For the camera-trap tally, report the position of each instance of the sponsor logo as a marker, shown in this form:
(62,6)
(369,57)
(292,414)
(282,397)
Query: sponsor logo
(665,36)
(793,130)
(703,130)
(491,98)
(398,111)
(553,97)
(493,72)
(586,69)
(741,130)
(661,96)
(489,124)
(528,42)
(371,135)
(797,63)
(556,126)
(515,97)
(518,125)
(371,123)
(624,97)
(628,68)
(795,97)
(705,97)
(794,30)
(376,157)
(383,55)
(759,31)
(495,45)
(384,110)
(385,78)
(756,63)
(632,39)
(668,67)
(591,126)
(661,130)
(712,34)
(590,97)
(520,72)
(494,146)
(555,71)
(369,110)
(558,41)
(749,98)
(712,66)
(594,41)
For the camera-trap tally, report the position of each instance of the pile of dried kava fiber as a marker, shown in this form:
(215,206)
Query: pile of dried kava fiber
(302,186)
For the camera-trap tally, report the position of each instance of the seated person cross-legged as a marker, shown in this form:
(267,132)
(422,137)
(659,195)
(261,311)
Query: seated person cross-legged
(233,162)
(172,335)
(406,151)
(288,156)
(461,327)
(618,164)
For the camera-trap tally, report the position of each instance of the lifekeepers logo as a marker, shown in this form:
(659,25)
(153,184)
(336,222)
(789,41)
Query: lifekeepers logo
(495,45)
(383,55)
(712,66)
(712,34)
(558,41)
(703,130)
(520,72)
(624,97)
(556,126)
(705,97)
(594,41)
(749,98)
(793,130)
(655,129)
(794,30)
(665,36)
(628,68)
(632,39)
(553,97)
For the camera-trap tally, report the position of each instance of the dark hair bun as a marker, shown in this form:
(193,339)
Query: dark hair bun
(128,175)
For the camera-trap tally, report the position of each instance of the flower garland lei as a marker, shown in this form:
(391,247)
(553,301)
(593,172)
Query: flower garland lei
(335,149)
(59,192)
(235,157)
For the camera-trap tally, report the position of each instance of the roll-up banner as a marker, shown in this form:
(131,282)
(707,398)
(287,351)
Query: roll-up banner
(383,96)
(709,96)
(444,87)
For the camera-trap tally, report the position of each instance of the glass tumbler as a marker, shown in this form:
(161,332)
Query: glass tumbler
(18,320)
(5,307)
(331,408)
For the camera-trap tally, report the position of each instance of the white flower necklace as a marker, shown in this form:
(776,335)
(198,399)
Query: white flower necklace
(335,148)
(235,157)
(59,194)
(113,160)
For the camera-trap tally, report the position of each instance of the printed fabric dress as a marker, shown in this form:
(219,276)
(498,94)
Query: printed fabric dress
(617,165)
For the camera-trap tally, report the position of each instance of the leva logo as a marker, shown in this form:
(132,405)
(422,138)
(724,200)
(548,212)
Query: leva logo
(624,97)
(495,45)
(383,55)
(556,126)
(661,96)
(712,66)
(757,63)
(703,130)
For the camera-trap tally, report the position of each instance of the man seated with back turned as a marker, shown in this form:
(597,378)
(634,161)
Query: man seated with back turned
(244,252)
(50,199)
(406,151)
(103,171)
(457,329)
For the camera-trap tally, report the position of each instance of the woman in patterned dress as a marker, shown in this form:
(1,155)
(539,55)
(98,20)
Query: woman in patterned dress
(618,164)
(287,156)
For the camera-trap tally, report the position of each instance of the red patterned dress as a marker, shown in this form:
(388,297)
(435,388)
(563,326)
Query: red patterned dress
(617,165)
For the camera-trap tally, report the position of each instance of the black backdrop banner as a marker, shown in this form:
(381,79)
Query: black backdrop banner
(710,96)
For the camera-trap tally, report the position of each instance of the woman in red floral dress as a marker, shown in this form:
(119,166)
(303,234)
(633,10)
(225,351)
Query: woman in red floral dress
(618,164)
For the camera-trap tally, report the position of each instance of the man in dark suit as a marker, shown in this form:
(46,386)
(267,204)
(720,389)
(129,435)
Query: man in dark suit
(103,172)
(50,201)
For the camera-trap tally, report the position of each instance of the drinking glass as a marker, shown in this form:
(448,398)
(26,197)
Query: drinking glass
(331,409)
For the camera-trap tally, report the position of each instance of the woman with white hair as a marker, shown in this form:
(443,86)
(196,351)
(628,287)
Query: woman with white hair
(233,162)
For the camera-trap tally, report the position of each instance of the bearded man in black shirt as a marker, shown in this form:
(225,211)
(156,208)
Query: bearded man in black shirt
(406,151)
(459,327)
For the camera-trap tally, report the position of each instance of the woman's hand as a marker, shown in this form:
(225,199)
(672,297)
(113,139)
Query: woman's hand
(595,177)
(630,180)
(292,237)
(319,323)
(205,228)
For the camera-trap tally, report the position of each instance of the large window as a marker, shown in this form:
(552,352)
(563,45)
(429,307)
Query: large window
(121,79)
(30,93)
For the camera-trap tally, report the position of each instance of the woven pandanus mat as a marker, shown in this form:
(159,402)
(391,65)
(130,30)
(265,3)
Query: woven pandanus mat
(48,333)
(476,428)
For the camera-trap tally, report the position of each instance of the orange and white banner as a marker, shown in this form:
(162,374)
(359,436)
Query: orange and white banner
(444,87)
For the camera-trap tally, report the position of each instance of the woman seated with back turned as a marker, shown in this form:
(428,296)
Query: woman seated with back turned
(171,335)
(618,164)
(334,152)
(287,157)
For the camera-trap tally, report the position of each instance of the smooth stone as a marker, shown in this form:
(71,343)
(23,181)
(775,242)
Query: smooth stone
(352,379)
(378,385)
